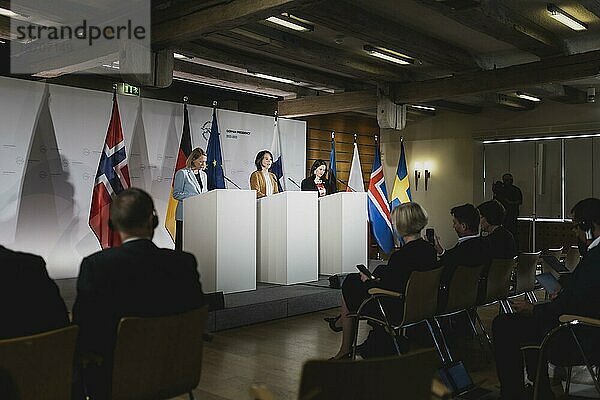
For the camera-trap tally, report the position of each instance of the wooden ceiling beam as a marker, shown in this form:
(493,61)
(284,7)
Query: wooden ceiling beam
(225,16)
(298,50)
(241,59)
(4,27)
(555,69)
(501,22)
(328,104)
(378,31)
(247,82)
(592,6)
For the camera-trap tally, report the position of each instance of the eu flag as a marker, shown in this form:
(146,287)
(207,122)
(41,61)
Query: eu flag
(401,190)
(214,158)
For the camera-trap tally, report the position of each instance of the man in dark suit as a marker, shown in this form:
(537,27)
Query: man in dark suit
(580,296)
(30,302)
(135,279)
(470,250)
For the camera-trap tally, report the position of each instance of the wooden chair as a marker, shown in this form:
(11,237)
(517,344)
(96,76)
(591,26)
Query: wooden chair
(462,297)
(420,305)
(409,376)
(158,357)
(497,287)
(525,275)
(38,366)
(572,258)
(569,323)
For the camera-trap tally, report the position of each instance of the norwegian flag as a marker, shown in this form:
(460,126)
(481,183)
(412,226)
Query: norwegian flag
(112,178)
(378,206)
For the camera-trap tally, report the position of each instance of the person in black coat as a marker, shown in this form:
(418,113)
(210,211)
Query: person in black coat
(500,241)
(30,302)
(416,254)
(135,279)
(580,296)
(471,249)
(315,181)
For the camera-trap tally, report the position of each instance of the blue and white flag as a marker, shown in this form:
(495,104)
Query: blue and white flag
(277,167)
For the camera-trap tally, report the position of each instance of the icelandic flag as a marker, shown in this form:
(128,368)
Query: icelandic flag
(401,191)
(378,206)
(185,148)
(214,158)
(277,166)
(332,167)
(112,178)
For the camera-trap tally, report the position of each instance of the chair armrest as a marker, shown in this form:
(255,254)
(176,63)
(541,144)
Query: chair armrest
(383,292)
(568,318)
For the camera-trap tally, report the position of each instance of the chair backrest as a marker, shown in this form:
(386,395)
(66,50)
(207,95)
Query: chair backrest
(572,259)
(158,357)
(464,284)
(498,279)
(38,366)
(407,377)
(526,267)
(421,295)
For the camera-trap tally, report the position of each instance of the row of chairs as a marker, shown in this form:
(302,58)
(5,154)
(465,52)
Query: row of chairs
(155,358)
(464,295)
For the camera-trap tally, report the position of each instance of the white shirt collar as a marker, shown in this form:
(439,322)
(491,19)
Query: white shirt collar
(594,243)
(132,238)
(465,238)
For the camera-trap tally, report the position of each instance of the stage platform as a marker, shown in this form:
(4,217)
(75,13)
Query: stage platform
(267,302)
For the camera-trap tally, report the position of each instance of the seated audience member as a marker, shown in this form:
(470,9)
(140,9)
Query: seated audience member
(580,296)
(416,254)
(136,279)
(500,242)
(470,250)
(30,301)
(262,180)
(315,181)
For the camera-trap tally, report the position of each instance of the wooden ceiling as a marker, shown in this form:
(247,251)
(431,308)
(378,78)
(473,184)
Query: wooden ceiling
(466,54)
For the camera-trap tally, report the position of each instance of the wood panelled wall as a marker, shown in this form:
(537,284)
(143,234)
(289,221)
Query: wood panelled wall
(318,142)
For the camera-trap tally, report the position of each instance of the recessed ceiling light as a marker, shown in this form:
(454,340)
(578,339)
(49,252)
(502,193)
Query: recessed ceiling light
(565,18)
(388,55)
(290,22)
(529,97)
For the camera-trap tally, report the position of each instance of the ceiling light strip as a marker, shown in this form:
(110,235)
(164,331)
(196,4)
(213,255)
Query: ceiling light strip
(533,139)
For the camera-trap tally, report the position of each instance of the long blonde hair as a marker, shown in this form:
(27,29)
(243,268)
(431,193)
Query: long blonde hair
(194,155)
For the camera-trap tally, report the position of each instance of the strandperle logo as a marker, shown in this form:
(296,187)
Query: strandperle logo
(85,31)
(53,38)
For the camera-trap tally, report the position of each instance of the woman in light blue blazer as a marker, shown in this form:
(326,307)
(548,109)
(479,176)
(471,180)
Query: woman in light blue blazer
(189,181)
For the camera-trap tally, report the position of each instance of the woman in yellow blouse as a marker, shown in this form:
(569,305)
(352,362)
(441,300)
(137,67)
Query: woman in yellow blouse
(261,180)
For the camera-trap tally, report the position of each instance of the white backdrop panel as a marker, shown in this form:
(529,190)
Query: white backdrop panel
(50,143)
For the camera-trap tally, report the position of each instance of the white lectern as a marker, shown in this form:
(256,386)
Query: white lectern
(342,232)
(288,238)
(220,230)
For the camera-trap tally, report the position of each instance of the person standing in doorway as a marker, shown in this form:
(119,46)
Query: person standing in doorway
(511,198)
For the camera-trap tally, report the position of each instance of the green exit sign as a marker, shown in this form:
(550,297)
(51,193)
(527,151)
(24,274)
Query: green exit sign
(130,89)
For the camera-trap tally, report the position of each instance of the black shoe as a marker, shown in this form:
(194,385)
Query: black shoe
(332,321)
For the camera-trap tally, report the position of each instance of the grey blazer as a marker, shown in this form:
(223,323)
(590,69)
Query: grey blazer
(186,185)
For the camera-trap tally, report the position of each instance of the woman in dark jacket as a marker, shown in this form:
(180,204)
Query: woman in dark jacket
(408,220)
(315,181)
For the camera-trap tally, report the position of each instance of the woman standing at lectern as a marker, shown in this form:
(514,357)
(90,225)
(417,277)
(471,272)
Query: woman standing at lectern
(261,180)
(189,181)
(315,181)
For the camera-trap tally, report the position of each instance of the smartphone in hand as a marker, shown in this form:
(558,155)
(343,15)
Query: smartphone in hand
(365,271)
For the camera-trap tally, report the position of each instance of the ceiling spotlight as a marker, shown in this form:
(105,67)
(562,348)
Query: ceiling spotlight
(529,97)
(388,55)
(291,22)
(565,18)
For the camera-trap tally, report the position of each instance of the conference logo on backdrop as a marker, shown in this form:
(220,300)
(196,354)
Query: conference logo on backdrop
(51,38)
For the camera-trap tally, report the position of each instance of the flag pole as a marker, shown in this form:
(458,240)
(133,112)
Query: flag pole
(355,138)
(115,86)
(276,115)
(214,104)
(185,99)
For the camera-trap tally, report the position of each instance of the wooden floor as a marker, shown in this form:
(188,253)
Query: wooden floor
(273,353)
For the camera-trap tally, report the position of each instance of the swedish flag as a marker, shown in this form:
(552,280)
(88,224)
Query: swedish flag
(401,191)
